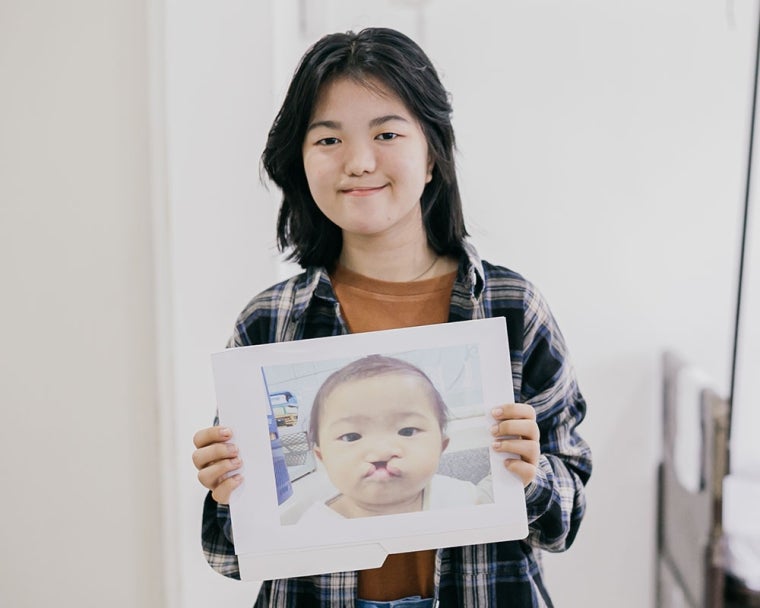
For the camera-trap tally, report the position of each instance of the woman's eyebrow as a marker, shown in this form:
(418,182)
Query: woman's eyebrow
(381,120)
(375,122)
(329,124)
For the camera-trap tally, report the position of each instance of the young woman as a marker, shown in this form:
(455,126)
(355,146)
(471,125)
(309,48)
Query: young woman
(363,151)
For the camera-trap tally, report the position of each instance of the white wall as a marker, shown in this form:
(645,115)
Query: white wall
(218,244)
(602,154)
(745,416)
(603,149)
(79,521)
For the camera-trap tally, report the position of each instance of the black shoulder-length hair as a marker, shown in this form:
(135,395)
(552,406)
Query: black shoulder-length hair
(373,54)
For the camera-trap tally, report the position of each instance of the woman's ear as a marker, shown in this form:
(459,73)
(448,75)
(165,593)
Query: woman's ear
(444,443)
(430,166)
(318,453)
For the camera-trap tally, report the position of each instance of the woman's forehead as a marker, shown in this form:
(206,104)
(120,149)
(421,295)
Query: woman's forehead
(335,91)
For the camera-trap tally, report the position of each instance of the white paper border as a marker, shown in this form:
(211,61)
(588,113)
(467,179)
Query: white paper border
(266,549)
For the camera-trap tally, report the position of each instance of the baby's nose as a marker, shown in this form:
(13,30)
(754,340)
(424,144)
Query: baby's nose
(383,451)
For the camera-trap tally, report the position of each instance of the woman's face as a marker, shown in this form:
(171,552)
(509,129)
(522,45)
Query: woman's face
(366,161)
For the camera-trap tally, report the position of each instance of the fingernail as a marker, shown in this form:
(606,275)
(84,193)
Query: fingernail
(232,449)
(225,432)
(236,462)
(497,411)
(496,445)
(495,429)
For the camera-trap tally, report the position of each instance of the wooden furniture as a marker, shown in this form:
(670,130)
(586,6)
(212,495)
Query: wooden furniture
(690,569)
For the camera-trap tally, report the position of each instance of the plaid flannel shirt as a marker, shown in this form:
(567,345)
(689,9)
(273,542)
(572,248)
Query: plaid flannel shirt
(505,574)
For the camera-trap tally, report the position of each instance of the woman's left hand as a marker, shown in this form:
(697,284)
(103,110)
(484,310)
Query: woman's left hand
(516,432)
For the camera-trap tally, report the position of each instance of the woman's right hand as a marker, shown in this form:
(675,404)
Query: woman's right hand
(215,460)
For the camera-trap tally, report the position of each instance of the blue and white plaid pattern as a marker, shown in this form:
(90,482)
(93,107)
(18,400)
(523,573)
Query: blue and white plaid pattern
(497,575)
(415,601)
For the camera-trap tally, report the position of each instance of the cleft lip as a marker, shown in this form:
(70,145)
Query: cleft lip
(382,470)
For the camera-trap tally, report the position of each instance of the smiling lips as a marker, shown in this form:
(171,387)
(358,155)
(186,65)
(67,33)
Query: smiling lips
(381,470)
(364,191)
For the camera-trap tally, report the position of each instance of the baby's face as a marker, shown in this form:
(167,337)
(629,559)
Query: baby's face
(380,442)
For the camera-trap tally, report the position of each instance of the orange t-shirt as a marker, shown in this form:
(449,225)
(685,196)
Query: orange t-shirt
(370,305)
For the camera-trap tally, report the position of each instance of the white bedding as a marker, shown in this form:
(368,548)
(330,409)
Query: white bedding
(741,526)
(689,446)
(741,489)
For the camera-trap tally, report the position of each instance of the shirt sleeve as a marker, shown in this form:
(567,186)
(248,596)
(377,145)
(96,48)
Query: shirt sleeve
(556,498)
(216,538)
(219,549)
(216,534)
(216,526)
(253,325)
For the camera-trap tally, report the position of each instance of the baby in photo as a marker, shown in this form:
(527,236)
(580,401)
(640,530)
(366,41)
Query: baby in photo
(378,427)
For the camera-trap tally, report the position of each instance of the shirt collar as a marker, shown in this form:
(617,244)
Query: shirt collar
(315,281)
(471,272)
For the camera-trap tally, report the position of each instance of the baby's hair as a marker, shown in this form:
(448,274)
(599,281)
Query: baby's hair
(370,57)
(371,367)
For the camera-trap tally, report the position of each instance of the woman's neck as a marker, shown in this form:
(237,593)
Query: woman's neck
(411,261)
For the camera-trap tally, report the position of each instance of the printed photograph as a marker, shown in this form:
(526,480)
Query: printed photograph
(361,445)
(380,434)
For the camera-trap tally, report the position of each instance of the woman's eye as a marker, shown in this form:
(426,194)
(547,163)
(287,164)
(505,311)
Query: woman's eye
(348,437)
(408,431)
(387,136)
(328,141)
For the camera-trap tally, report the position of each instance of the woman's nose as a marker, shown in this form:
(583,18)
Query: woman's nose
(359,159)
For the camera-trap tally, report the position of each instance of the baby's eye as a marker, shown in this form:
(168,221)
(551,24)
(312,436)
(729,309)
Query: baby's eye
(408,431)
(328,141)
(387,136)
(348,437)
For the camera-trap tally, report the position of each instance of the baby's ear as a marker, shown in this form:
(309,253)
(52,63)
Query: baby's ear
(444,443)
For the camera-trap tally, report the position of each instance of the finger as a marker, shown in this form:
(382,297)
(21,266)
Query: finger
(212,476)
(525,471)
(528,451)
(224,490)
(212,434)
(514,410)
(203,457)
(527,429)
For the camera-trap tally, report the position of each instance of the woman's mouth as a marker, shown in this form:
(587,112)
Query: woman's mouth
(363,191)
